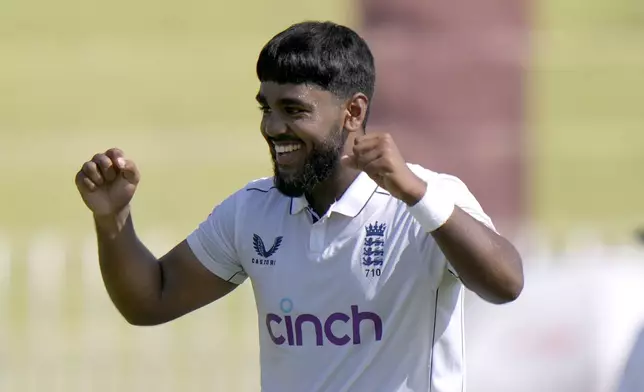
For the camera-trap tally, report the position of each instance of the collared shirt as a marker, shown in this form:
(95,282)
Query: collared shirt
(359,299)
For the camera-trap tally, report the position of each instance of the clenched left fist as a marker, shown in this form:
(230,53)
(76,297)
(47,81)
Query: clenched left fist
(377,155)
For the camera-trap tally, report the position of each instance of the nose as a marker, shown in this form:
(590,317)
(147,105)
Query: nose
(273,125)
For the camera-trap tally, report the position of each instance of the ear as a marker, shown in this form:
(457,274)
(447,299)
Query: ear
(356,112)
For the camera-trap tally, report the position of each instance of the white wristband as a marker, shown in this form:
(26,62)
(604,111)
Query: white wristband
(434,209)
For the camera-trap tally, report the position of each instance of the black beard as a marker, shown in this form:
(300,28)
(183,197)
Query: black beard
(321,163)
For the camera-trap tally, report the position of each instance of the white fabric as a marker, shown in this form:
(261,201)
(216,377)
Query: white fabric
(434,209)
(357,301)
(633,380)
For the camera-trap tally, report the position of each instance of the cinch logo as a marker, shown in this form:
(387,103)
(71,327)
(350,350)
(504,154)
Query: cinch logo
(289,330)
(261,251)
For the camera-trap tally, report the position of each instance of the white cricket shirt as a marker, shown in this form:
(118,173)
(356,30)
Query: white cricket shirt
(361,299)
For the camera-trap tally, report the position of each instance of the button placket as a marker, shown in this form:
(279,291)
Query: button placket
(316,240)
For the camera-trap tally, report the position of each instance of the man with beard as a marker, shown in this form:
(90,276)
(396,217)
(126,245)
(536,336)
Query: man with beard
(358,259)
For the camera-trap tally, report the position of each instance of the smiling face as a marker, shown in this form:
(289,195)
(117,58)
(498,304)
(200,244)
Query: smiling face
(316,82)
(304,126)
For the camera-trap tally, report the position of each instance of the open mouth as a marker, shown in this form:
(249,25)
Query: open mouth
(287,154)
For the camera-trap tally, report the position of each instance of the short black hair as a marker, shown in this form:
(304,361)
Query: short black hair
(326,54)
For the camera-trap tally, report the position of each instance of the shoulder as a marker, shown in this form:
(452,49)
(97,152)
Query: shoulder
(456,188)
(443,181)
(258,189)
(262,185)
(256,197)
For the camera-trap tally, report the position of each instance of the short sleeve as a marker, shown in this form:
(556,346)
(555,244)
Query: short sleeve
(464,199)
(458,192)
(213,243)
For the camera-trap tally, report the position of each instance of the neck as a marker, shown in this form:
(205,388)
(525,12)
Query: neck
(330,190)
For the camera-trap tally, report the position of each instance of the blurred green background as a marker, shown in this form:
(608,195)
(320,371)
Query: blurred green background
(173,84)
(585,123)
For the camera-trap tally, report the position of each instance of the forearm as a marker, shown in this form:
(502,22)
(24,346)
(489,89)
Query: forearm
(131,273)
(486,262)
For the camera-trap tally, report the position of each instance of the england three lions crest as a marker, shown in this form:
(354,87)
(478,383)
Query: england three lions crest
(373,252)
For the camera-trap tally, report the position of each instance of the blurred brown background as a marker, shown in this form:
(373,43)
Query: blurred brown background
(451,86)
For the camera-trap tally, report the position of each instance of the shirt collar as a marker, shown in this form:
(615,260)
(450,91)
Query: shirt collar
(352,201)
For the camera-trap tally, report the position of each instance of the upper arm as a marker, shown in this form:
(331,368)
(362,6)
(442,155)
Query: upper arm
(204,267)
(187,284)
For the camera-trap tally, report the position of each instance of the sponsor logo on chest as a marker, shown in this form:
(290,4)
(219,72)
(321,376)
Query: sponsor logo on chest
(263,253)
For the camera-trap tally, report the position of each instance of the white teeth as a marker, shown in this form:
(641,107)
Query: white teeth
(281,149)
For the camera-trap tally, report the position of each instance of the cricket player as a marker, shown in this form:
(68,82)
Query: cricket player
(357,258)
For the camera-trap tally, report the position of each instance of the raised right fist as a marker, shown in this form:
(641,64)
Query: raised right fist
(107,182)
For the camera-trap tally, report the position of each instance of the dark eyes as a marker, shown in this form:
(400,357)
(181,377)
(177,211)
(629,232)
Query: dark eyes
(290,110)
(293,110)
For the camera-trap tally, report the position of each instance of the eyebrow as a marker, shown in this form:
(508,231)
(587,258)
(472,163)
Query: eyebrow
(283,101)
